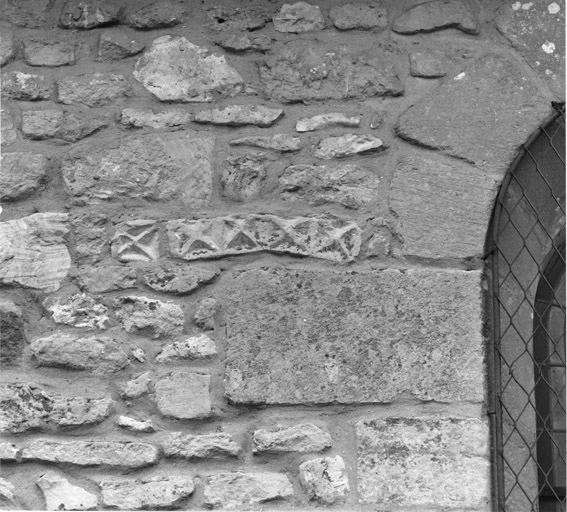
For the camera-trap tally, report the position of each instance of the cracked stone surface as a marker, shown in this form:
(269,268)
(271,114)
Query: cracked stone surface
(12,332)
(21,174)
(134,425)
(7,48)
(146,118)
(178,279)
(244,177)
(8,134)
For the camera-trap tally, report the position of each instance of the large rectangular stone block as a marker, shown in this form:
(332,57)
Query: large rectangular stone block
(306,336)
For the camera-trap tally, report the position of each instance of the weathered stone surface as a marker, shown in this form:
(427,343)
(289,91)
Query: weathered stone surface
(57,124)
(176,70)
(208,446)
(325,479)
(8,134)
(136,240)
(92,453)
(7,490)
(443,206)
(38,52)
(240,115)
(26,407)
(117,46)
(508,109)
(139,354)
(176,279)
(321,121)
(348,145)
(194,347)
(105,278)
(81,14)
(136,387)
(244,177)
(414,332)
(7,49)
(352,186)
(237,19)
(357,15)
(160,14)
(96,90)
(437,15)
(12,332)
(184,395)
(78,310)
(537,30)
(59,494)
(25,13)
(146,118)
(281,142)
(327,237)
(99,353)
(428,64)
(23,86)
(206,312)
(424,462)
(21,174)
(147,494)
(299,17)
(149,317)
(297,438)
(9,451)
(241,42)
(154,166)
(320,71)
(90,234)
(135,425)
(33,251)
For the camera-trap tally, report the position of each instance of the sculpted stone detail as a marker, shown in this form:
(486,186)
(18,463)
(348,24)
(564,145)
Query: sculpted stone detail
(136,240)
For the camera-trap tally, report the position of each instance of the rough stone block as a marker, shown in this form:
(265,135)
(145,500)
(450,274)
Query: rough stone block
(241,42)
(105,278)
(443,206)
(307,336)
(26,87)
(239,490)
(21,174)
(208,446)
(299,17)
(7,49)
(156,167)
(348,145)
(424,462)
(136,387)
(78,310)
(240,115)
(146,118)
(117,45)
(60,494)
(78,14)
(206,312)
(281,142)
(12,332)
(33,251)
(134,425)
(92,453)
(297,438)
(161,14)
(184,395)
(176,70)
(8,133)
(437,15)
(325,479)
(357,15)
(428,64)
(322,121)
(177,279)
(136,240)
(57,124)
(38,52)
(194,347)
(25,13)
(327,237)
(237,19)
(97,90)
(244,177)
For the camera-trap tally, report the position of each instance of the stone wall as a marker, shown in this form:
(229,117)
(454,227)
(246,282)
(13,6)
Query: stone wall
(241,247)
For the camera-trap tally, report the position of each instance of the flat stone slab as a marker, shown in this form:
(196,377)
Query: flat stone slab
(58,124)
(207,446)
(349,144)
(184,395)
(240,115)
(146,118)
(424,462)
(305,336)
(304,437)
(322,121)
(194,347)
(281,142)
(96,90)
(320,71)
(238,42)
(39,52)
(161,14)
(329,238)
(60,494)
(437,15)
(7,48)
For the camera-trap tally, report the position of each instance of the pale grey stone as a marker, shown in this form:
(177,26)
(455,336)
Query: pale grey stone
(238,490)
(33,251)
(175,69)
(7,49)
(177,279)
(437,15)
(325,479)
(24,86)
(93,90)
(8,134)
(164,492)
(39,52)
(238,19)
(160,14)
(136,387)
(281,142)
(424,462)
(136,240)
(240,115)
(352,186)
(414,333)
(134,425)
(26,13)
(57,124)
(244,177)
(21,174)
(207,446)
(26,407)
(78,310)
(99,353)
(206,312)
(7,492)
(127,454)
(146,118)
(194,347)
(105,278)
(321,121)
(59,494)
(240,42)
(348,145)
(357,15)
(117,45)
(427,64)
(91,238)
(9,451)
(12,332)
(304,437)
(138,354)
(299,17)
(184,395)
(151,317)
(80,14)
(326,237)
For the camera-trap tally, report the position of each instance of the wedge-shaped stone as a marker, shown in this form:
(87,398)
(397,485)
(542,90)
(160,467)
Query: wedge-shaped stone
(33,251)
(348,145)
(353,337)
(26,87)
(357,15)
(194,347)
(176,70)
(321,121)
(78,310)
(297,438)
(57,124)
(352,186)
(161,14)
(329,238)
(424,462)
(78,14)
(146,494)
(146,118)
(207,446)
(178,279)
(159,167)
(299,17)
(26,407)
(240,115)
(321,71)
(21,174)
(184,395)
(60,494)
(99,353)
(436,15)
(117,46)
(325,479)
(92,453)
(49,53)
(281,142)
(97,90)
(239,490)
(136,240)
